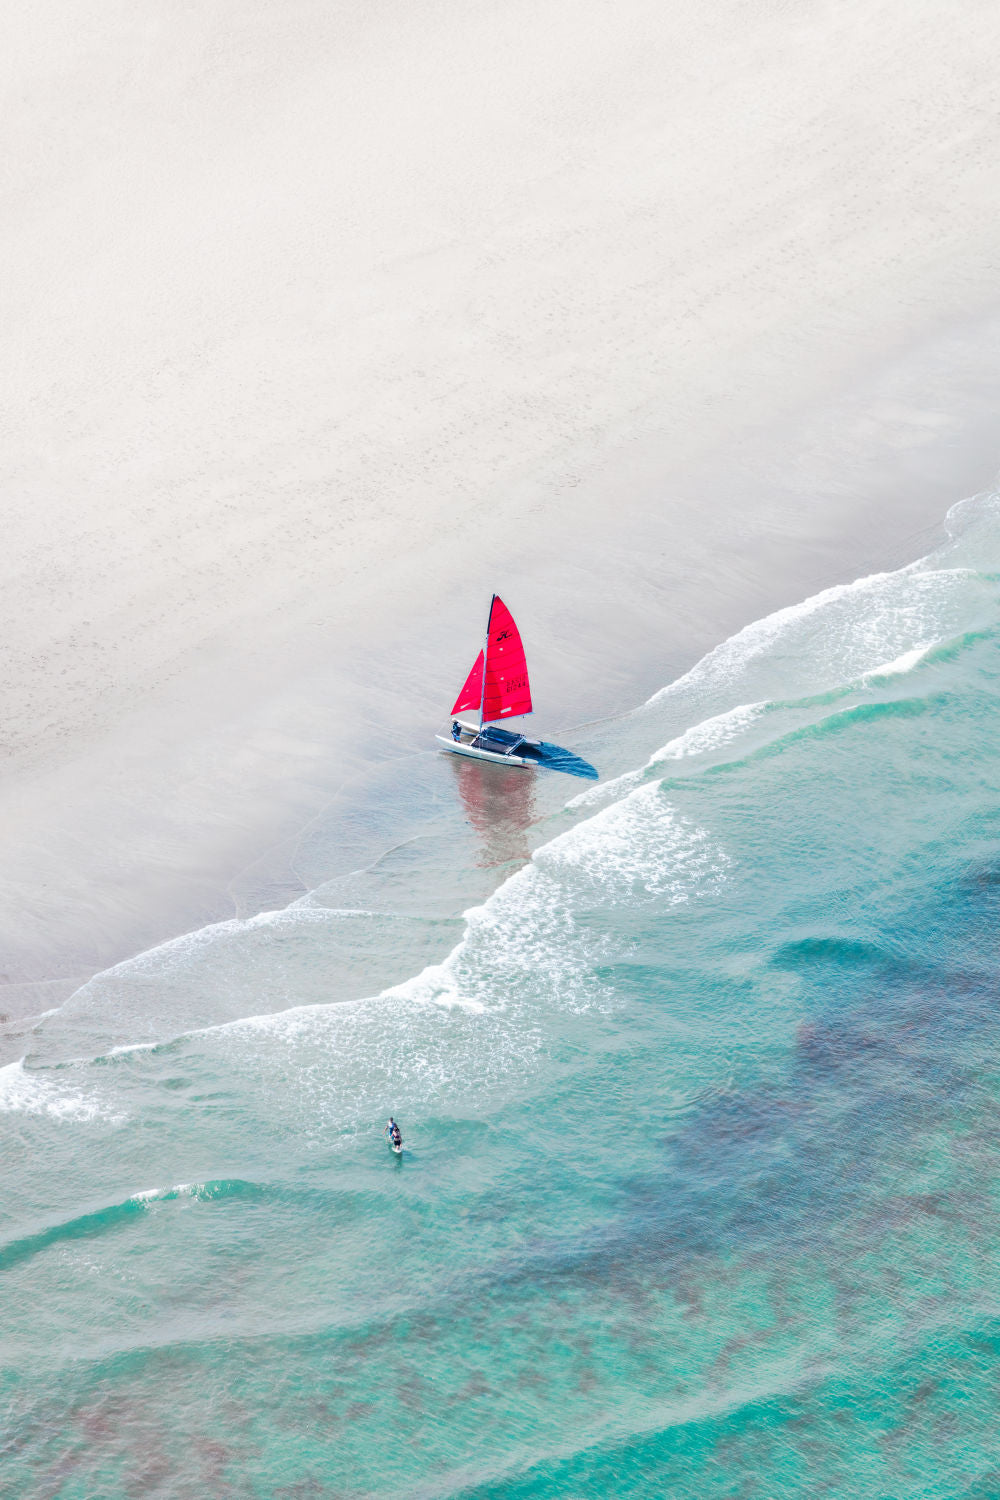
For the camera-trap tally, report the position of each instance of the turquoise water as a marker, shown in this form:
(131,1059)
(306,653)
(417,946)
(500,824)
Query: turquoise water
(700,1083)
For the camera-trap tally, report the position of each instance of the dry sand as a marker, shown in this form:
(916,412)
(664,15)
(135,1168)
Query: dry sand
(321,322)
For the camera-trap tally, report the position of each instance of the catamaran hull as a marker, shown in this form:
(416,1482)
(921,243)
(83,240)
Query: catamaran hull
(457,748)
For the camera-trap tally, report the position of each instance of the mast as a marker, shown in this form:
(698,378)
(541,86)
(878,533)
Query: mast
(486,652)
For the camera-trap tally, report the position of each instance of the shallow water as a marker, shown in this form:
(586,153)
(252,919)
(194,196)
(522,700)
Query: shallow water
(699,1078)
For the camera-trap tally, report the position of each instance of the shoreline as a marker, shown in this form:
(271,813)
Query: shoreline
(304,363)
(222,849)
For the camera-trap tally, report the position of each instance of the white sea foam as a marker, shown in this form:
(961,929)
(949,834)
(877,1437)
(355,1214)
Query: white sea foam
(279,960)
(724,729)
(24,1023)
(836,636)
(525,940)
(878,626)
(38,1094)
(153,1195)
(532,936)
(973,532)
(188,944)
(902,664)
(638,849)
(527,953)
(711,734)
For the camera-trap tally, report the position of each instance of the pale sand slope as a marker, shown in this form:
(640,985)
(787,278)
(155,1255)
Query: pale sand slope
(320,321)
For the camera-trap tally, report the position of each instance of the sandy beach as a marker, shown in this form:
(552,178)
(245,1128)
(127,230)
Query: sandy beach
(321,324)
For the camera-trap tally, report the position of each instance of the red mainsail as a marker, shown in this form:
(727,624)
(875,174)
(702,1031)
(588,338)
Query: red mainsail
(506,692)
(507,688)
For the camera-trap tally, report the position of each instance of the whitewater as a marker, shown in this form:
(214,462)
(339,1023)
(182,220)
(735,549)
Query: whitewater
(698,1070)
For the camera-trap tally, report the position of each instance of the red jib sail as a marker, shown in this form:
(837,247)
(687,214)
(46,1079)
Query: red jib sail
(506,691)
(472,694)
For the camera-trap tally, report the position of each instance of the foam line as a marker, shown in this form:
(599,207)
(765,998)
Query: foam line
(902,664)
(710,734)
(894,609)
(32,1093)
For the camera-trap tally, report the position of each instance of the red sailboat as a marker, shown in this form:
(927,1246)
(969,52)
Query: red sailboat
(497,688)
